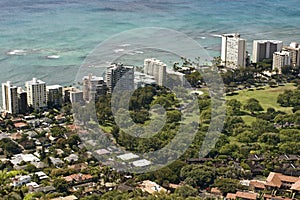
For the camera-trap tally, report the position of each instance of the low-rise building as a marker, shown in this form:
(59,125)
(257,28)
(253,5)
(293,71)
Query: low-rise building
(20,180)
(277,180)
(151,187)
(78,178)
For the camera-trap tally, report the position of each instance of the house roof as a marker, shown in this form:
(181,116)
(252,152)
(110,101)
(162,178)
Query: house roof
(290,179)
(230,196)
(78,177)
(246,195)
(151,187)
(257,184)
(71,197)
(20,124)
(296,186)
(174,186)
(273,180)
(215,190)
(276,179)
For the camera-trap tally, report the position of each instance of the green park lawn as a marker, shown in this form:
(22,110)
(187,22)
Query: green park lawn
(267,97)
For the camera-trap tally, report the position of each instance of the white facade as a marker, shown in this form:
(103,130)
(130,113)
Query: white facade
(281,59)
(93,87)
(233,53)
(141,80)
(264,49)
(294,50)
(156,68)
(36,93)
(21,180)
(10,98)
(76,96)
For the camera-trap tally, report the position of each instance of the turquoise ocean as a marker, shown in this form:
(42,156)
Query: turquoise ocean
(68,30)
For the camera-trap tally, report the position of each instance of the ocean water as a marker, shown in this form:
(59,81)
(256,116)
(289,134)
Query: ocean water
(68,30)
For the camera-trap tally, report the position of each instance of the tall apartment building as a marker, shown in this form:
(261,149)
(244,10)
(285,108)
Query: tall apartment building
(281,59)
(233,52)
(264,49)
(72,95)
(22,97)
(36,93)
(294,50)
(156,68)
(93,87)
(54,95)
(10,98)
(76,96)
(123,75)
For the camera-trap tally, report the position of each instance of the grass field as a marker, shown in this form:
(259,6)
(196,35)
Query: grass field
(266,96)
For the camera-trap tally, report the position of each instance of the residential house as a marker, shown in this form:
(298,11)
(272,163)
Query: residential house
(242,196)
(41,175)
(56,162)
(151,187)
(45,190)
(78,178)
(20,180)
(71,197)
(277,180)
(17,159)
(256,185)
(71,158)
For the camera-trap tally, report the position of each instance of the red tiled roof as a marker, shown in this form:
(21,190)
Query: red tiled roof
(246,195)
(20,124)
(215,190)
(78,177)
(296,186)
(273,180)
(276,179)
(230,196)
(257,184)
(290,179)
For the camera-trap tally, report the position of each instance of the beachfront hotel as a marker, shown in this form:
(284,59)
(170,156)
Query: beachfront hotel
(10,98)
(281,59)
(93,87)
(156,68)
(121,74)
(54,95)
(264,49)
(233,52)
(294,50)
(36,93)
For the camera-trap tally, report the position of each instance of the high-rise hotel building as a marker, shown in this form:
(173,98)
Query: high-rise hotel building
(156,68)
(54,95)
(233,52)
(294,50)
(281,59)
(264,49)
(121,75)
(10,98)
(93,87)
(36,93)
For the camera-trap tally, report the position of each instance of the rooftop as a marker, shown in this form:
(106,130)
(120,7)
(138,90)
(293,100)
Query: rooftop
(246,195)
(53,87)
(128,156)
(35,81)
(266,41)
(141,163)
(276,179)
